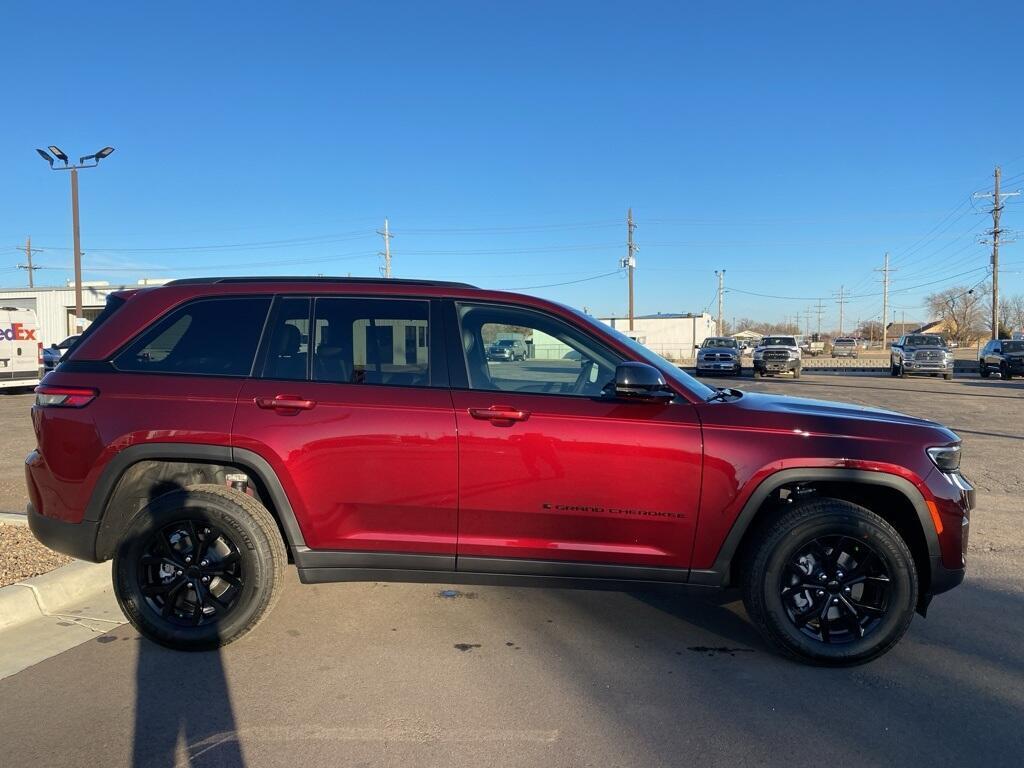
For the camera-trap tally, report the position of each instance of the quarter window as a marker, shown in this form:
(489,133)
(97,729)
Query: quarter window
(508,349)
(211,337)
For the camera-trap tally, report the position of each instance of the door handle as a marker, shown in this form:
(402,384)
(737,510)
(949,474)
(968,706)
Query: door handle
(285,403)
(499,413)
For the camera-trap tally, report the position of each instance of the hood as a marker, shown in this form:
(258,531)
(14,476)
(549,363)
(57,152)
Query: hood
(835,418)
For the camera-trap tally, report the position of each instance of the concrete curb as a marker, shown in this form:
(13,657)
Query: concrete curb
(14,518)
(53,592)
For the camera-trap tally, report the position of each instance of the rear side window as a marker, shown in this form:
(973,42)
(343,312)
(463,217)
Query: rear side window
(371,341)
(211,337)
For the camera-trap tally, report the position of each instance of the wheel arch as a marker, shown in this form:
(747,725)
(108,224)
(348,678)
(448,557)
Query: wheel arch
(894,498)
(140,473)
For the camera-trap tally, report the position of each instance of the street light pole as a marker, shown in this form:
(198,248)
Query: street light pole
(78,248)
(82,163)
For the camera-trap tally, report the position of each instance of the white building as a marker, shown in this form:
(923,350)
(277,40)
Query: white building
(671,336)
(55,305)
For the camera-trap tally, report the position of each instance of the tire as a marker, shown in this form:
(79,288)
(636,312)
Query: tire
(1004,372)
(983,371)
(796,373)
(903,371)
(947,376)
(893,370)
(835,526)
(249,559)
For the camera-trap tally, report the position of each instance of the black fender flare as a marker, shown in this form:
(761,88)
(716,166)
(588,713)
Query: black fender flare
(248,461)
(718,575)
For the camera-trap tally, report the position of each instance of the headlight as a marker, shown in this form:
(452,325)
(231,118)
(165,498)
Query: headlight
(946,458)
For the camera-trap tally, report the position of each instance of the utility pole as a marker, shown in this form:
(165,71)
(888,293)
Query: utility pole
(885,270)
(841,298)
(820,312)
(807,320)
(29,250)
(386,253)
(721,292)
(629,263)
(997,210)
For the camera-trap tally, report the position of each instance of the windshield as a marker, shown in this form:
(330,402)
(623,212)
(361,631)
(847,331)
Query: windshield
(720,343)
(643,353)
(1013,346)
(778,341)
(925,341)
(505,343)
(844,341)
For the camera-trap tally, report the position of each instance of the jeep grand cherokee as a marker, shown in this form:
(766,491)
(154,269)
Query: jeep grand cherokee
(205,433)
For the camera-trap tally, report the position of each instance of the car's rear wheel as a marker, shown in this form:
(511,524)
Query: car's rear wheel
(831,583)
(199,567)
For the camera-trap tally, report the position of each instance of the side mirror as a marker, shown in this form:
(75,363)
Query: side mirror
(642,382)
(54,345)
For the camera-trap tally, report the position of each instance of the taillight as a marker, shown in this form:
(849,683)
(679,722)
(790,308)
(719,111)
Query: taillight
(64,397)
(40,358)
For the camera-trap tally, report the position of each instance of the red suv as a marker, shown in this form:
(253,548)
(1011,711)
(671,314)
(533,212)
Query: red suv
(205,433)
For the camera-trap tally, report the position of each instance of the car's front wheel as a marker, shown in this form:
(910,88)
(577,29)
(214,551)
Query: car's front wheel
(831,583)
(199,567)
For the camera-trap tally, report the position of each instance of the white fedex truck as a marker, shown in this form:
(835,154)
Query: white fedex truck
(21,351)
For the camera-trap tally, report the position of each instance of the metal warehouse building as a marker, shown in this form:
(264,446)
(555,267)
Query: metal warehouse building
(55,305)
(671,336)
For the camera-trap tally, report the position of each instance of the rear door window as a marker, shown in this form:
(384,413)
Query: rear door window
(210,337)
(372,341)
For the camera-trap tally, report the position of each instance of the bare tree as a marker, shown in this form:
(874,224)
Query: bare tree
(1013,313)
(870,329)
(962,311)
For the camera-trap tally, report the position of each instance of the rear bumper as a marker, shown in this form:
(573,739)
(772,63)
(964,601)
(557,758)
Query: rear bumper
(72,539)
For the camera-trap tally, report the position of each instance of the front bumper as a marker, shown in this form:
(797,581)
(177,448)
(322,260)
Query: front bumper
(927,366)
(73,539)
(717,366)
(776,366)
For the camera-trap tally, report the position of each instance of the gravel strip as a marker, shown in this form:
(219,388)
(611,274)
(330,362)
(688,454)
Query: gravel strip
(21,556)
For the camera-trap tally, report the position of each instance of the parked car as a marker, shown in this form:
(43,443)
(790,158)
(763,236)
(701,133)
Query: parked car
(844,347)
(507,349)
(53,353)
(302,420)
(921,353)
(719,354)
(777,354)
(1002,356)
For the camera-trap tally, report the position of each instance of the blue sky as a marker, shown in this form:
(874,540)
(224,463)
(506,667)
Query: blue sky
(791,144)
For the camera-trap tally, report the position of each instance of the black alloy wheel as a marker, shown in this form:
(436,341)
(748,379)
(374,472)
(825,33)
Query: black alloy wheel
(835,589)
(190,573)
(199,567)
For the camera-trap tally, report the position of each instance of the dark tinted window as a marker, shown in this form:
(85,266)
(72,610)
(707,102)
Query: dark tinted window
(371,341)
(288,347)
(214,337)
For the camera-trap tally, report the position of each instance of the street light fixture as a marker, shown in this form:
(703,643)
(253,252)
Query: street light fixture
(59,154)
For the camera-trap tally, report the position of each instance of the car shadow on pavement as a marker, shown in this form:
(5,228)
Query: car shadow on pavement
(183,710)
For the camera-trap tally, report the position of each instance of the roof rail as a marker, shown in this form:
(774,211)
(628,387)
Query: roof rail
(301,279)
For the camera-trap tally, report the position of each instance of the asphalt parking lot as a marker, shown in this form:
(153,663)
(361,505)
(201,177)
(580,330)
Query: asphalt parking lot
(399,675)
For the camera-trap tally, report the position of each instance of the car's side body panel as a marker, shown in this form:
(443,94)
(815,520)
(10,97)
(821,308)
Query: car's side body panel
(580,479)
